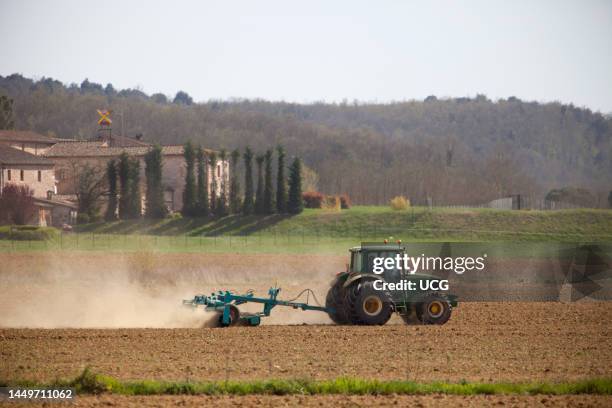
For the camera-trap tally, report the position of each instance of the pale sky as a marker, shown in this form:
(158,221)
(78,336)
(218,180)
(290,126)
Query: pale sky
(310,50)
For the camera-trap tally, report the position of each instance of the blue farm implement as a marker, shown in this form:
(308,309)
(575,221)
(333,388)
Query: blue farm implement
(225,303)
(354,296)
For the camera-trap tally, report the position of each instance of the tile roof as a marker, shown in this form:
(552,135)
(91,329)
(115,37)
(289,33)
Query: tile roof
(9,155)
(54,203)
(99,149)
(22,136)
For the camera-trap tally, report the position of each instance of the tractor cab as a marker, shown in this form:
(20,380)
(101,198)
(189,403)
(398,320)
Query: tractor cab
(362,259)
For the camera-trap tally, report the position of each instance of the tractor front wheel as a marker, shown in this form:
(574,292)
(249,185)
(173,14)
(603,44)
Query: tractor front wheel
(434,309)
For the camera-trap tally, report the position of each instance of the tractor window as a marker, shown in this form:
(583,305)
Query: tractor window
(381,254)
(356,262)
(371,256)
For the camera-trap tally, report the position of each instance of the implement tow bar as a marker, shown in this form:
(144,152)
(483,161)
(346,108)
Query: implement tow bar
(226,302)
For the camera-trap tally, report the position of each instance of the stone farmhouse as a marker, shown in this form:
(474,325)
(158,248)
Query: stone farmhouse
(59,161)
(18,167)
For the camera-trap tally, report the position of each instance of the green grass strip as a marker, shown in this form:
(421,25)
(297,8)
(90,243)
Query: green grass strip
(92,383)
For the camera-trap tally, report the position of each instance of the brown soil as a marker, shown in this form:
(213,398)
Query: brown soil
(90,291)
(443,401)
(482,342)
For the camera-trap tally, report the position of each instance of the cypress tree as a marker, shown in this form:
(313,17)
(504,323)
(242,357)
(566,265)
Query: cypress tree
(189,194)
(124,186)
(259,195)
(222,200)
(111,175)
(295,204)
(202,201)
(213,184)
(156,207)
(135,203)
(234,194)
(268,205)
(248,207)
(281,183)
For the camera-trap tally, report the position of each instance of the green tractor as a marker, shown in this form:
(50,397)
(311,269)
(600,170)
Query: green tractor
(360,297)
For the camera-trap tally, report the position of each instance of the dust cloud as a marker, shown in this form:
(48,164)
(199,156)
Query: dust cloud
(137,290)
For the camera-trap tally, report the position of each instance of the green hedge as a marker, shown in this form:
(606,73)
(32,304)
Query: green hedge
(27,233)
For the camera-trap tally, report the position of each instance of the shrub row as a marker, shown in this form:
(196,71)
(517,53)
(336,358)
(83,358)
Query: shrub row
(27,233)
(314,199)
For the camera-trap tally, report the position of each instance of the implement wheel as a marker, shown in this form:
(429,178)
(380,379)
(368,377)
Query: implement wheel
(334,301)
(366,305)
(234,317)
(435,309)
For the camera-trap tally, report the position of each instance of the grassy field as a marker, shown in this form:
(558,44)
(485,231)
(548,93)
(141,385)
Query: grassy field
(91,383)
(321,231)
(365,222)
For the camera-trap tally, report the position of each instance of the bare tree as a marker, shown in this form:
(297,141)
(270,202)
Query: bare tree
(16,204)
(90,185)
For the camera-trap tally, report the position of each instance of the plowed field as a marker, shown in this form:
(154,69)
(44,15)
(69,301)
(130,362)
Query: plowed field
(84,300)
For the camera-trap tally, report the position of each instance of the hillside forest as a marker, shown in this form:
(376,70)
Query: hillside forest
(445,151)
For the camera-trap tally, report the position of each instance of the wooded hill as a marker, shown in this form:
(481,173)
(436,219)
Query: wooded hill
(455,151)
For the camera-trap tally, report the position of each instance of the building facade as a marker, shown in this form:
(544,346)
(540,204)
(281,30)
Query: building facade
(69,157)
(50,166)
(20,168)
(24,169)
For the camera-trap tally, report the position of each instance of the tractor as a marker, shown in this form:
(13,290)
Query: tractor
(356,298)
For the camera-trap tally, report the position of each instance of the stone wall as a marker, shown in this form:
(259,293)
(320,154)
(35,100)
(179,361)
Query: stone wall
(30,177)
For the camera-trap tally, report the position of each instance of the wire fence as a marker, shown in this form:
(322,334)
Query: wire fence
(276,239)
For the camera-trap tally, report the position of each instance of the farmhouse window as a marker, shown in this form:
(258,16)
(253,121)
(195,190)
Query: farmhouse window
(21,175)
(39,175)
(8,175)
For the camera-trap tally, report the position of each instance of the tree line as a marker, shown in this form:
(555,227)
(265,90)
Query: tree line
(226,198)
(456,151)
(221,198)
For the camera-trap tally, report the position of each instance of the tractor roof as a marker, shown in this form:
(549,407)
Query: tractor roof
(378,246)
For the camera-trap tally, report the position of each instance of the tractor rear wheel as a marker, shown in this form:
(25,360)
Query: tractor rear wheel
(234,317)
(366,305)
(434,309)
(334,301)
